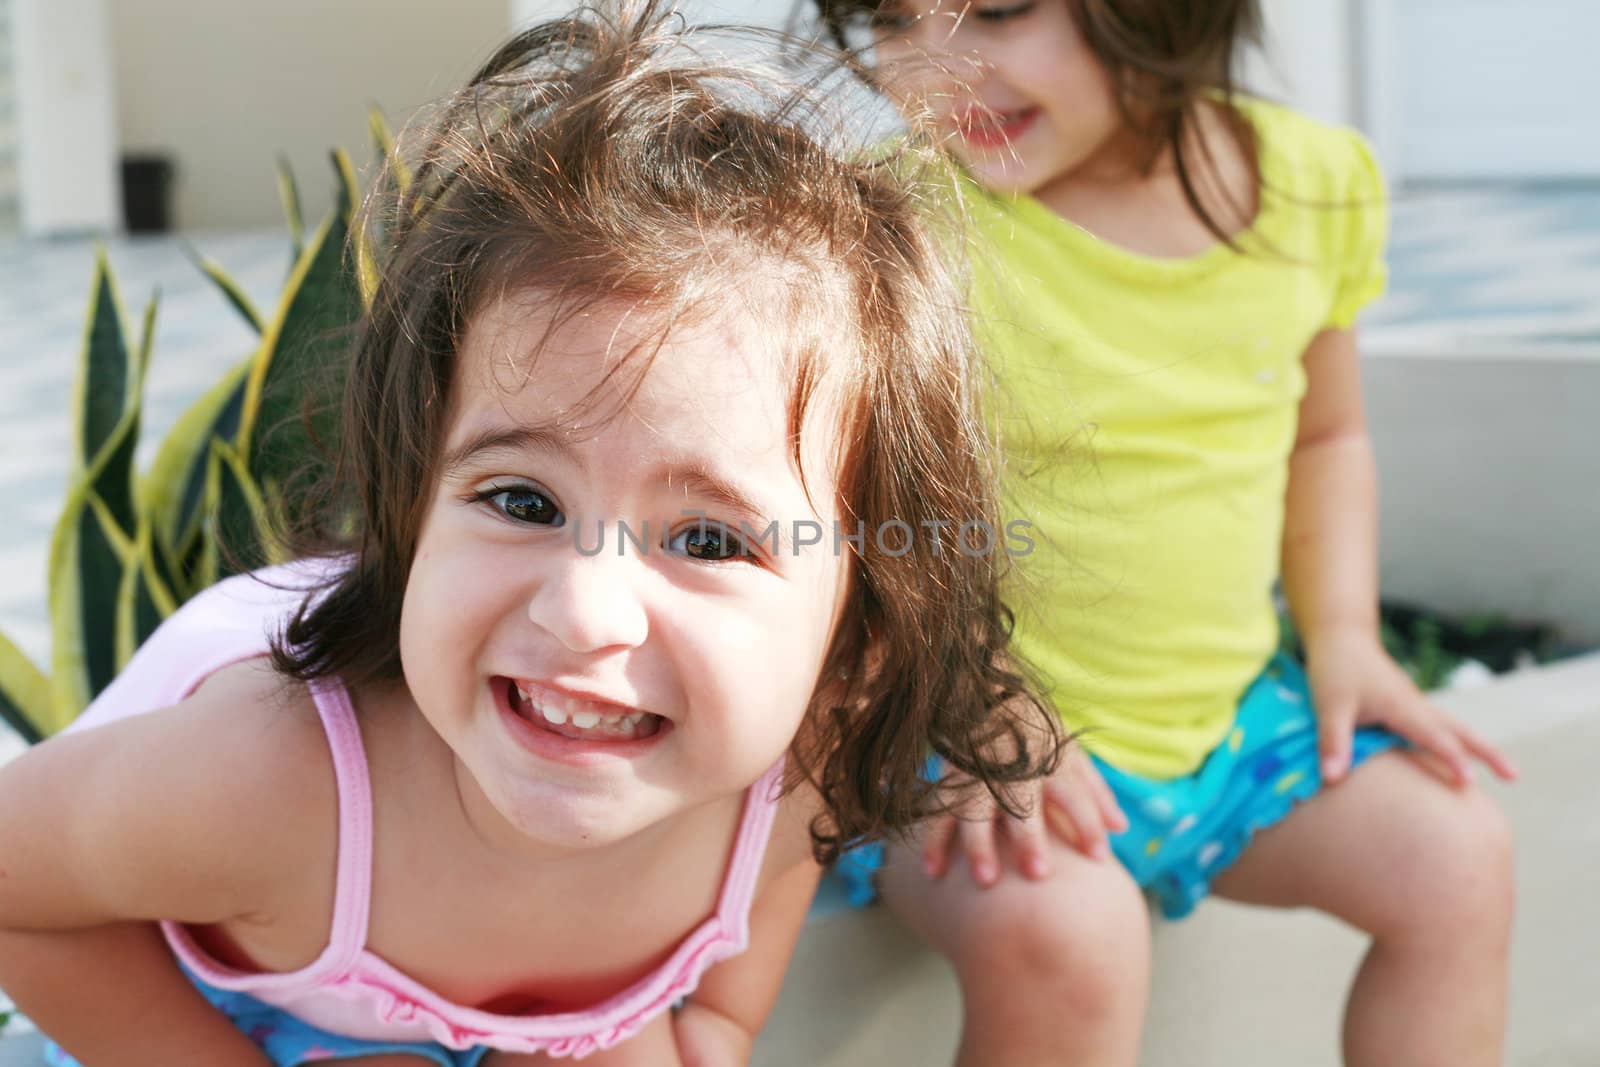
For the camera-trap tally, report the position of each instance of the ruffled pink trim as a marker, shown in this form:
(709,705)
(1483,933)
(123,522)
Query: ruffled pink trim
(402,1001)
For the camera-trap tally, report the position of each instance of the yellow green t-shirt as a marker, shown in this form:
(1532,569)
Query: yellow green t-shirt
(1148,409)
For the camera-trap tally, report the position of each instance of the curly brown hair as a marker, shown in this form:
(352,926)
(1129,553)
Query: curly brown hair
(601,157)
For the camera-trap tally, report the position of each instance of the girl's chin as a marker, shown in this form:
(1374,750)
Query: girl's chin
(1006,183)
(570,824)
(1003,174)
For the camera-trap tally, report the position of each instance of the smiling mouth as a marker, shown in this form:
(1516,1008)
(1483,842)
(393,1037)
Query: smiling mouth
(576,718)
(981,126)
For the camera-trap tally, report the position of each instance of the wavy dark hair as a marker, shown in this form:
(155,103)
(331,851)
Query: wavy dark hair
(1163,58)
(602,158)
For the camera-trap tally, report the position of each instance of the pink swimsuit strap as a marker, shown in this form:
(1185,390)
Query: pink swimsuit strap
(348,971)
(352,902)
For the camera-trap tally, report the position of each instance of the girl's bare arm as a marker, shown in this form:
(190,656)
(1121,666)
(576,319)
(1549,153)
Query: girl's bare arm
(718,1025)
(111,995)
(178,814)
(1330,538)
(1330,575)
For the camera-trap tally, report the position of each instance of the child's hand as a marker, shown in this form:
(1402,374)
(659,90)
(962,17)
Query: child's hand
(1355,683)
(1075,803)
(707,1038)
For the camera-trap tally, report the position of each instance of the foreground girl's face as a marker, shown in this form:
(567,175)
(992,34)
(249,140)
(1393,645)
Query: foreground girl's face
(594,680)
(1023,100)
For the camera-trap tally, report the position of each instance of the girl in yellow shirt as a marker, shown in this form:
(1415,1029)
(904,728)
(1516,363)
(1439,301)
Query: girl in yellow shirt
(1169,280)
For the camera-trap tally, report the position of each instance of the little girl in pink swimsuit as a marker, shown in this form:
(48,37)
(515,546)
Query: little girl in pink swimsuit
(608,647)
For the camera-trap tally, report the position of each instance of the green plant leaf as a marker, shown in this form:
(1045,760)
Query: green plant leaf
(399,175)
(238,515)
(289,196)
(197,554)
(111,474)
(290,418)
(143,599)
(108,396)
(103,375)
(87,555)
(349,199)
(231,290)
(173,489)
(347,194)
(24,693)
(164,558)
(147,338)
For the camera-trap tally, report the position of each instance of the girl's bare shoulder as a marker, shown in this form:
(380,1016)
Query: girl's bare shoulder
(271,771)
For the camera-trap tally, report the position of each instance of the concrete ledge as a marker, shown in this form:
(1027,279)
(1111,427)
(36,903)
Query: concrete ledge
(1241,987)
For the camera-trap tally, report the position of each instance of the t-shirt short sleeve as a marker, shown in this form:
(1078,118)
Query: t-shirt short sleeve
(1360,234)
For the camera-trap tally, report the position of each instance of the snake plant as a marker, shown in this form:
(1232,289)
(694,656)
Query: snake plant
(128,549)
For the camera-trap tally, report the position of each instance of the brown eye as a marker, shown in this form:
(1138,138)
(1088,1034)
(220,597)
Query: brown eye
(710,541)
(526,504)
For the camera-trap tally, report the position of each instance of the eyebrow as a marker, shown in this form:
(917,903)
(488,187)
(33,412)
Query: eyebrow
(515,439)
(700,481)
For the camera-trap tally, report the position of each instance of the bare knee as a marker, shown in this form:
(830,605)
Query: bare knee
(1080,940)
(1453,872)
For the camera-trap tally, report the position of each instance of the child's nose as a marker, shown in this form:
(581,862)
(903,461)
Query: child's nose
(589,603)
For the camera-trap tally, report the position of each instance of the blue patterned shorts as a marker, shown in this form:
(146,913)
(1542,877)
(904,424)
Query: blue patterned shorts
(1183,832)
(289,1042)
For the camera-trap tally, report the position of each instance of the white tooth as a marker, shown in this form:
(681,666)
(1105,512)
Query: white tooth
(553,714)
(585,720)
(635,719)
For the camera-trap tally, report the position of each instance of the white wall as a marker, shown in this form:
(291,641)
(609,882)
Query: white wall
(1489,466)
(224,86)
(224,89)
(773,13)
(1310,59)
(1470,90)
(66,120)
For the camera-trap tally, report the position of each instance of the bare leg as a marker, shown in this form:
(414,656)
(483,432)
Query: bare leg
(1052,973)
(1427,871)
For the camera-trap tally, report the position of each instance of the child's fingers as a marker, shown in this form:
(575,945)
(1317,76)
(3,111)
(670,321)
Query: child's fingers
(977,841)
(1029,839)
(1491,755)
(1435,737)
(1060,824)
(1078,803)
(1111,812)
(1336,723)
(936,841)
(1435,765)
